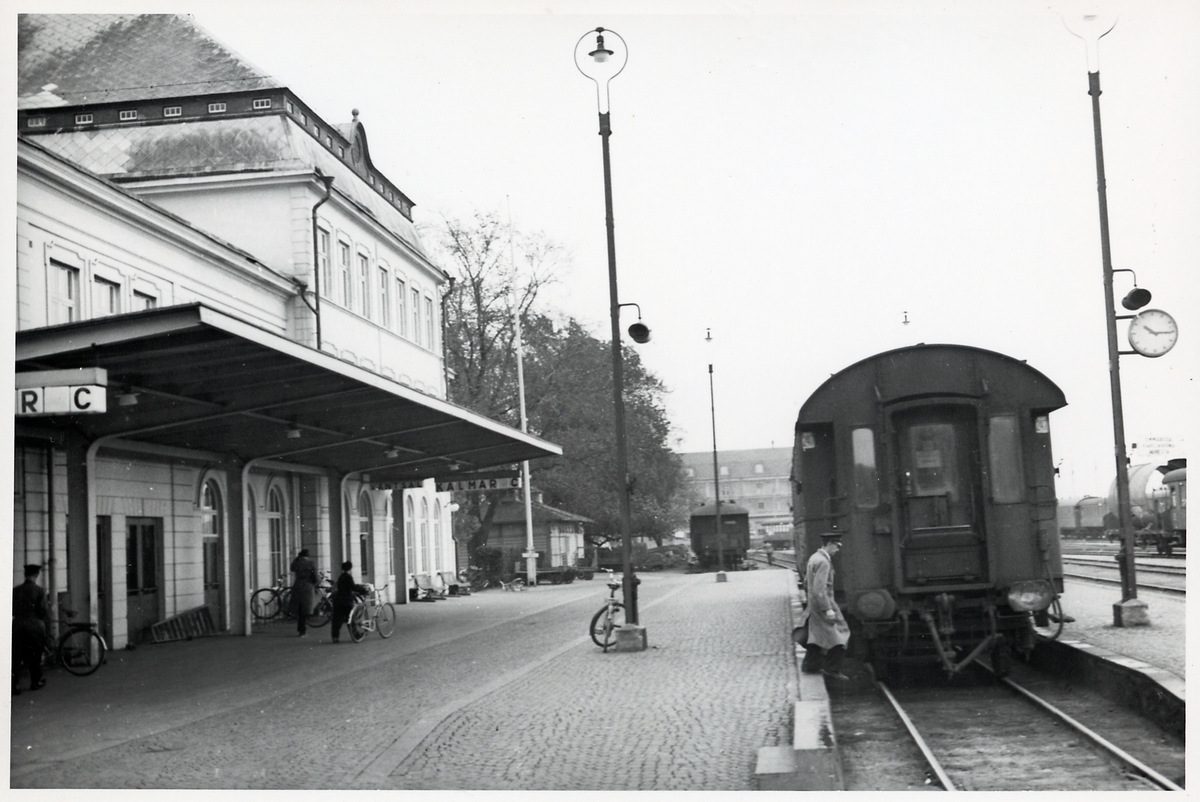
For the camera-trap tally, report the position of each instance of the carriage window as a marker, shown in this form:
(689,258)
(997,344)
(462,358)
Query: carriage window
(866,483)
(935,469)
(1004,459)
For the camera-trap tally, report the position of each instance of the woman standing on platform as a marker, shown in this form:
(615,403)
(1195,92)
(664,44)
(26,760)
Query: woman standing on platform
(304,588)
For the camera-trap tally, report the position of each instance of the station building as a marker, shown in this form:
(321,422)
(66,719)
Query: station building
(228,341)
(758,479)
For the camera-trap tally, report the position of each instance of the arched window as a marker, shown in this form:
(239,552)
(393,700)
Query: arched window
(366,550)
(277,527)
(252,538)
(438,565)
(424,536)
(410,545)
(211,525)
(391,538)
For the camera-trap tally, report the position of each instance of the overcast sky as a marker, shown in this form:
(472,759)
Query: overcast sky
(799,177)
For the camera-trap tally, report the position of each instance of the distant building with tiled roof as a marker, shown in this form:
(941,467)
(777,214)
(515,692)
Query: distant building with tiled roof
(757,479)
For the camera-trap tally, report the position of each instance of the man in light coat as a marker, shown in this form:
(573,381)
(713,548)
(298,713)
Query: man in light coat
(828,632)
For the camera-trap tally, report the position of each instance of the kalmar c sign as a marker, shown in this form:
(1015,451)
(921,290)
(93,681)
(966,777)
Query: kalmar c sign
(61,392)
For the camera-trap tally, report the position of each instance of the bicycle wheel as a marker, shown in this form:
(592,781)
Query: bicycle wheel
(603,628)
(357,625)
(264,604)
(81,651)
(322,612)
(385,620)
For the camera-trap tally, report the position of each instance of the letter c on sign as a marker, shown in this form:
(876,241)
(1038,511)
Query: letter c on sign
(80,395)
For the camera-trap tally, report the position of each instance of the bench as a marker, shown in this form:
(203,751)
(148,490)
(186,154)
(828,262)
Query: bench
(452,584)
(426,590)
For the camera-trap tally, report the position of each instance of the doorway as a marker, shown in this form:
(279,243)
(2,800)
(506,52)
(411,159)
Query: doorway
(143,572)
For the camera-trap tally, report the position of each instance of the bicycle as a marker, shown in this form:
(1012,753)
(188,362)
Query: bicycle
(371,614)
(323,603)
(80,649)
(268,603)
(609,618)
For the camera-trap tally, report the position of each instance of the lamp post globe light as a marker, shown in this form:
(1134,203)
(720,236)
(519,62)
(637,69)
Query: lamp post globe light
(601,55)
(1146,341)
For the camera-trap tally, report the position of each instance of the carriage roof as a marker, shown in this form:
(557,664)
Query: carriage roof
(936,370)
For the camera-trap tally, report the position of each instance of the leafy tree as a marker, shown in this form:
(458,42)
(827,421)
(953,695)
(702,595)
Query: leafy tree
(568,381)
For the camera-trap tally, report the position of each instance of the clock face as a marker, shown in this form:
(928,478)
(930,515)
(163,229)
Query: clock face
(1153,333)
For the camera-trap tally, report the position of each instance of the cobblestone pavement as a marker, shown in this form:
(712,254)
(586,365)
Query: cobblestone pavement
(492,691)
(1162,644)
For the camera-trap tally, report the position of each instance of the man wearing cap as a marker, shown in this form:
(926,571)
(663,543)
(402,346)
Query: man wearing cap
(30,619)
(828,632)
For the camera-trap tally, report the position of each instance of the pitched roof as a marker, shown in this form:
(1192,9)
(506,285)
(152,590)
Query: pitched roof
(211,147)
(511,511)
(75,59)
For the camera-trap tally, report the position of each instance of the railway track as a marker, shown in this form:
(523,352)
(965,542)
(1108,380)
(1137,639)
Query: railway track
(978,734)
(1159,575)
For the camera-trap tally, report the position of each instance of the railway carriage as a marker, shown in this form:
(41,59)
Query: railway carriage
(735,535)
(934,462)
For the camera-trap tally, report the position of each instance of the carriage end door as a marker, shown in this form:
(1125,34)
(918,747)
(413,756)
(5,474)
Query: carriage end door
(942,538)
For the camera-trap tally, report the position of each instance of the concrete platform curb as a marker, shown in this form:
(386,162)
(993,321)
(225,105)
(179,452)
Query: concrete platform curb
(812,761)
(1151,692)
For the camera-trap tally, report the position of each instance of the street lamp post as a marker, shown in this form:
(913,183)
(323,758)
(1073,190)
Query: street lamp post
(601,65)
(1130,611)
(712,399)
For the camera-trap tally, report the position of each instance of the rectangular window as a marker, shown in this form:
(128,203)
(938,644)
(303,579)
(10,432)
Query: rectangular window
(344,269)
(216,108)
(290,107)
(36,122)
(262,103)
(1004,459)
(172,111)
(401,319)
(128,115)
(385,298)
(364,279)
(323,262)
(83,119)
(416,316)
(143,301)
(64,293)
(429,321)
(866,480)
(106,297)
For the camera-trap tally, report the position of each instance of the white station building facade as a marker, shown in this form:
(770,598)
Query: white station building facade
(228,341)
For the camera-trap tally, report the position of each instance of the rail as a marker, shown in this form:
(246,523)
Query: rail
(1137,766)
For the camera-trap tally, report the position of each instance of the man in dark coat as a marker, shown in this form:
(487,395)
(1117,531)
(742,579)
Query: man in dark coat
(828,632)
(304,589)
(31,617)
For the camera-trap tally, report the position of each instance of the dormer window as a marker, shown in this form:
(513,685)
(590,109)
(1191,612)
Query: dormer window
(84,119)
(36,122)
(130,114)
(216,108)
(172,111)
(262,103)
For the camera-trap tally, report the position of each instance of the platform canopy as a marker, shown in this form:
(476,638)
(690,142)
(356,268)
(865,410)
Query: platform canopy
(190,377)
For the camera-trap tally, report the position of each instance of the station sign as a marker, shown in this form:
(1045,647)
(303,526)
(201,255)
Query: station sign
(487,482)
(79,391)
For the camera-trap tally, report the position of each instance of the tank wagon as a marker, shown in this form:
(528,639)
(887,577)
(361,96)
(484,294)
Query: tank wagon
(735,529)
(934,462)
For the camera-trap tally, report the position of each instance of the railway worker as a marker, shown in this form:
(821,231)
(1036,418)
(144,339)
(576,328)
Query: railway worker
(31,617)
(304,590)
(828,632)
